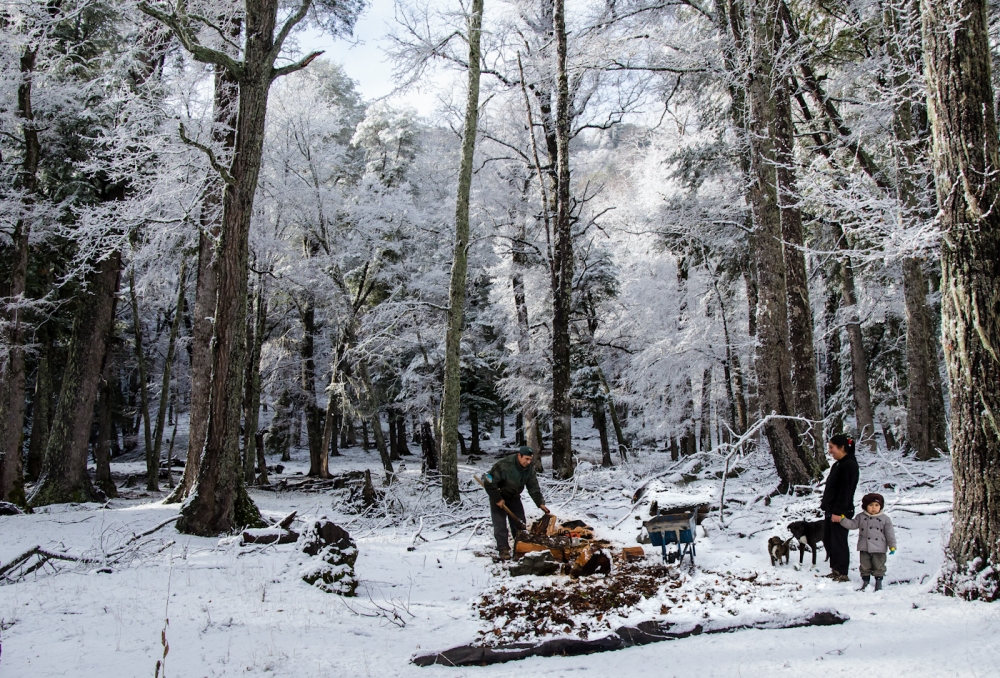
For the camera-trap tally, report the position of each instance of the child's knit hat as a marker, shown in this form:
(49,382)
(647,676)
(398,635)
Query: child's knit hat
(870,497)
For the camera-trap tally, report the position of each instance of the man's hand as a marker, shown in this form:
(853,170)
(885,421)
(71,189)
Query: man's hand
(835,518)
(502,504)
(545,508)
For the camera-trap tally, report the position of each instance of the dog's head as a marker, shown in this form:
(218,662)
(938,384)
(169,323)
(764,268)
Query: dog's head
(798,529)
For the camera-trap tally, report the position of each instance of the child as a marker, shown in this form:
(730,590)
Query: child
(875,536)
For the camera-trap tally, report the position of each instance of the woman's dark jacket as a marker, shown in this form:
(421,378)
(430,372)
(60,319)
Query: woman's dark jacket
(838,495)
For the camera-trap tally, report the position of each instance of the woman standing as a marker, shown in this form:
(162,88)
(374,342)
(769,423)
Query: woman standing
(838,499)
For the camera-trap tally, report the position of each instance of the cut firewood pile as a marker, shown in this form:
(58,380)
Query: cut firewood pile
(632,594)
(570,548)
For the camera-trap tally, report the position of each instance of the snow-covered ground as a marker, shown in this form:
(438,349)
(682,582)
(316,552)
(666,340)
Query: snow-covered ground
(228,610)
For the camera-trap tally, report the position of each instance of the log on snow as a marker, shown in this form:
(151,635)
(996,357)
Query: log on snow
(627,636)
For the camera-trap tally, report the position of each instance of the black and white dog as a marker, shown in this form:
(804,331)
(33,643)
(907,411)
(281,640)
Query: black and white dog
(807,534)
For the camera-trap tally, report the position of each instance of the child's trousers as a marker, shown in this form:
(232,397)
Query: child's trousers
(872,564)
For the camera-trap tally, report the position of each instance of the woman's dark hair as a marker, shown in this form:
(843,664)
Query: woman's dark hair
(843,441)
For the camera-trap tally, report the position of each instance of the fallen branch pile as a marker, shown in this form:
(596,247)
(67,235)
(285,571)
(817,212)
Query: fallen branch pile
(37,557)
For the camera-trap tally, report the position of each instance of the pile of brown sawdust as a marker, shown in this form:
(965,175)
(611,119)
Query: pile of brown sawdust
(550,609)
(590,605)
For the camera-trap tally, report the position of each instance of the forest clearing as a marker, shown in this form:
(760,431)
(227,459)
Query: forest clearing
(287,341)
(244,610)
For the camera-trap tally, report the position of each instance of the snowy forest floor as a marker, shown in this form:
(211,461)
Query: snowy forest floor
(236,610)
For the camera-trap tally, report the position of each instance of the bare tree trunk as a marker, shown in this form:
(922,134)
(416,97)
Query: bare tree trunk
(800,320)
(562,292)
(152,462)
(957,64)
(207,288)
(64,471)
(314,432)
(12,375)
(705,434)
(105,429)
(168,364)
(864,412)
(220,502)
(375,420)
(393,438)
(41,411)
(773,361)
(404,450)
(615,421)
(451,403)
(251,416)
(428,447)
(601,424)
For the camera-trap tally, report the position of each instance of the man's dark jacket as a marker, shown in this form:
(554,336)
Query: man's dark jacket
(506,480)
(838,495)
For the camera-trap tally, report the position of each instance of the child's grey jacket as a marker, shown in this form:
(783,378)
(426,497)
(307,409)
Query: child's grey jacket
(875,533)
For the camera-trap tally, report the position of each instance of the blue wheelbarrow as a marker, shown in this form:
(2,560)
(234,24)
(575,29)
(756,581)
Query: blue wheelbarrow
(679,529)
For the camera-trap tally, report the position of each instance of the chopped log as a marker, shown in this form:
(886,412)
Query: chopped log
(547,525)
(523,547)
(269,535)
(287,521)
(626,636)
(537,563)
(631,554)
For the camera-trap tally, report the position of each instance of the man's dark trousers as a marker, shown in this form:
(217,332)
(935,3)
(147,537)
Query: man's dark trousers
(835,542)
(501,519)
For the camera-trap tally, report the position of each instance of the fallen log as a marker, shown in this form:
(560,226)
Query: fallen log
(643,633)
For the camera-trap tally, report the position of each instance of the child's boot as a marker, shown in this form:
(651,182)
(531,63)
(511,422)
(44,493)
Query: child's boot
(878,583)
(864,582)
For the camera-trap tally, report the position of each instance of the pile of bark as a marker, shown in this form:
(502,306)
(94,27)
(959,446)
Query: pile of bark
(550,547)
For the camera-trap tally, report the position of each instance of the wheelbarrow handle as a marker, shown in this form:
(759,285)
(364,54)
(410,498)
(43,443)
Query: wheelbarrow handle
(504,507)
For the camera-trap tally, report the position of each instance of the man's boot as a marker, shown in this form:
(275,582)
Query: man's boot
(504,554)
(878,583)
(864,582)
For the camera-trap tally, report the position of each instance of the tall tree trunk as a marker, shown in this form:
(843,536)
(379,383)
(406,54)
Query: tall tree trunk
(800,320)
(924,403)
(529,412)
(601,424)
(314,432)
(225,108)
(562,292)
(393,437)
(41,410)
(831,388)
(451,403)
(105,430)
(615,421)
(773,361)
(251,416)
(12,375)
(957,64)
(168,364)
(404,450)
(220,502)
(864,412)
(474,431)
(705,434)
(375,420)
(428,447)
(64,471)
(152,461)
